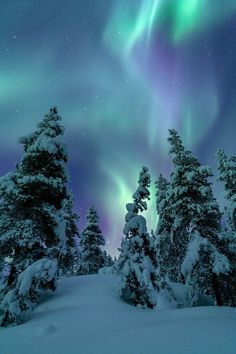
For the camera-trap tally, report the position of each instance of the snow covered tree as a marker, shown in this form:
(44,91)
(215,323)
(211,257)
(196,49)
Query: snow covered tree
(19,236)
(67,228)
(203,266)
(227,170)
(44,187)
(92,258)
(165,260)
(37,219)
(195,218)
(171,239)
(137,262)
(20,300)
(227,281)
(162,186)
(108,261)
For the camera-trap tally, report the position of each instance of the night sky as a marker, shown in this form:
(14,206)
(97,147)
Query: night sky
(121,73)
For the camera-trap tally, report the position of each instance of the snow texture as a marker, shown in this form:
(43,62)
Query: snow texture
(86,316)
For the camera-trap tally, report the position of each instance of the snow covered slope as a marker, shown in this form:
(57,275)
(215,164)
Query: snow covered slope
(86,316)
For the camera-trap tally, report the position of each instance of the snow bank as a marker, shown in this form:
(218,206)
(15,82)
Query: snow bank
(86,316)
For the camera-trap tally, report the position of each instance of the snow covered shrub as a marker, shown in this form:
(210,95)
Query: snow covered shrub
(19,301)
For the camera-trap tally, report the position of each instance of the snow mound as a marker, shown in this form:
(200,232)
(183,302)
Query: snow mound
(86,316)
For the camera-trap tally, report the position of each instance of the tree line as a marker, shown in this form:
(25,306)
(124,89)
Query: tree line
(193,244)
(38,227)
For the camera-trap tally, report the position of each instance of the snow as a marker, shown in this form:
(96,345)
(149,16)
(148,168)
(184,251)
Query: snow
(86,316)
(19,301)
(137,223)
(220,263)
(193,253)
(42,270)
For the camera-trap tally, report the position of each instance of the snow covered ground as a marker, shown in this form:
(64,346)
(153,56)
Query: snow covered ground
(86,316)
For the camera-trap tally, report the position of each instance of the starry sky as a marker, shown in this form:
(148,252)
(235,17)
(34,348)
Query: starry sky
(121,73)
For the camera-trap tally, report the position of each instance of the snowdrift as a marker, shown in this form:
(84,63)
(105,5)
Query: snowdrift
(86,316)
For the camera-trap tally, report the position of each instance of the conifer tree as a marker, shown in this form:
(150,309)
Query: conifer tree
(108,261)
(92,258)
(227,170)
(37,219)
(195,217)
(20,237)
(122,257)
(44,164)
(162,234)
(67,228)
(137,262)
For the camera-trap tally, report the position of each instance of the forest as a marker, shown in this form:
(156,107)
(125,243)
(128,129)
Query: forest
(193,245)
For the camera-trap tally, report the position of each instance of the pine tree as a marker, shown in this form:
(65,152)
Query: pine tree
(44,164)
(136,264)
(193,241)
(162,186)
(171,240)
(108,261)
(122,257)
(20,237)
(227,170)
(92,258)
(165,258)
(67,228)
(37,219)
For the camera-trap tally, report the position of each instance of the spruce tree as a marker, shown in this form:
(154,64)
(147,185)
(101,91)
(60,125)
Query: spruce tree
(165,259)
(137,262)
(44,164)
(37,219)
(108,261)
(227,170)
(92,258)
(67,228)
(193,240)
(20,238)
(122,257)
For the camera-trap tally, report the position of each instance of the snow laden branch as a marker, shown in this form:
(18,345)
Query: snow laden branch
(20,301)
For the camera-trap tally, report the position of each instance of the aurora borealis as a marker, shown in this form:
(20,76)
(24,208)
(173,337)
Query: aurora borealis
(121,73)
